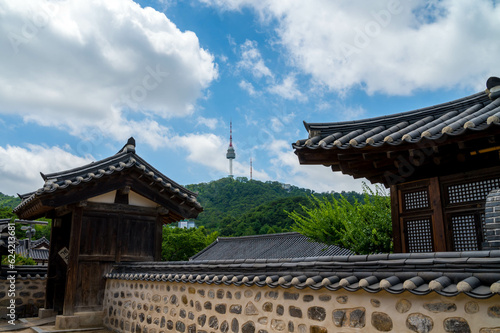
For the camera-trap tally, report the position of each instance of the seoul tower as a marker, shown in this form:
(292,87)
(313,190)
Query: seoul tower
(231,155)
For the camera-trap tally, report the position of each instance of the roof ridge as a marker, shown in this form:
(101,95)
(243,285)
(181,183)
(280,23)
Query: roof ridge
(261,236)
(477,96)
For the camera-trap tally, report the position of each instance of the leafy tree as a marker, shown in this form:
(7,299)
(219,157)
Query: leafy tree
(181,244)
(19,260)
(361,227)
(6,213)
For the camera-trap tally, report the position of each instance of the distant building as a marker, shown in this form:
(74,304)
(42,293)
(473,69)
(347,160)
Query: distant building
(39,250)
(186,224)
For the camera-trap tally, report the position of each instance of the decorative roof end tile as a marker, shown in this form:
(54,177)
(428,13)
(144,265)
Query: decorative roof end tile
(493,87)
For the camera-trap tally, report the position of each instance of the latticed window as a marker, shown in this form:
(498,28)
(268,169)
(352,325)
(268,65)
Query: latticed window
(473,191)
(416,200)
(419,235)
(464,232)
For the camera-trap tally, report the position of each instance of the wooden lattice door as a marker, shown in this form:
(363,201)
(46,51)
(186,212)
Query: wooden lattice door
(417,216)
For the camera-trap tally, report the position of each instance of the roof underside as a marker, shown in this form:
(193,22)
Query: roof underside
(275,246)
(115,172)
(442,139)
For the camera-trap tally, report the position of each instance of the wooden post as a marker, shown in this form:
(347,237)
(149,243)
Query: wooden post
(438,227)
(51,270)
(74,251)
(396,223)
(158,237)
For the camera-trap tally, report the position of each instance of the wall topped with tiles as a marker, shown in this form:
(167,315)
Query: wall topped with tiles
(159,307)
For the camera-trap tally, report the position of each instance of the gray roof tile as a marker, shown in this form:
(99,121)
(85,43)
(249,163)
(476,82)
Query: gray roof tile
(401,273)
(123,160)
(273,246)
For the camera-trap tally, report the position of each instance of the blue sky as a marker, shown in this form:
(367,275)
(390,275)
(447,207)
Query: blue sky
(77,78)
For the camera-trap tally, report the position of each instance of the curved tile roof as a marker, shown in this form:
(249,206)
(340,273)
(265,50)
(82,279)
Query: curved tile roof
(473,113)
(410,145)
(25,272)
(476,274)
(126,159)
(273,246)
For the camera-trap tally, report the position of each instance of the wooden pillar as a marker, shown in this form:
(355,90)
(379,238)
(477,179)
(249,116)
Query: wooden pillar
(438,225)
(396,222)
(158,237)
(51,270)
(74,251)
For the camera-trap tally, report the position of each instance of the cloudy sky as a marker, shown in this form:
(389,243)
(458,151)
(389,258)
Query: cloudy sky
(79,77)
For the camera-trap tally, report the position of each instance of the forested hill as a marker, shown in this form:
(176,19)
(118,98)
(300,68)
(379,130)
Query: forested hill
(238,207)
(8,201)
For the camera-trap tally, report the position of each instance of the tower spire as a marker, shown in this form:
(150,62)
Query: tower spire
(231,133)
(230,155)
(251,168)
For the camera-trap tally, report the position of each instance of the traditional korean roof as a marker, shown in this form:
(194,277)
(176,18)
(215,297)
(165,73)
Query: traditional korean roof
(125,161)
(36,253)
(41,242)
(460,129)
(273,246)
(476,274)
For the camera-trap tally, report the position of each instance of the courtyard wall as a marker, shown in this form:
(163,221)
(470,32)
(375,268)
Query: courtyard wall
(141,306)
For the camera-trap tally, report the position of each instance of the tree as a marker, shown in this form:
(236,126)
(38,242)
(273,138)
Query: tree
(19,260)
(361,227)
(181,244)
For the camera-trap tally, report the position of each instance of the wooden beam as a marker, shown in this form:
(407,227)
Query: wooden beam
(348,157)
(72,275)
(336,168)
(383,163)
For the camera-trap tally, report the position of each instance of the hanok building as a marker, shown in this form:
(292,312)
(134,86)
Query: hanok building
(38,250)
(440,162)
(105,212)
(274,246)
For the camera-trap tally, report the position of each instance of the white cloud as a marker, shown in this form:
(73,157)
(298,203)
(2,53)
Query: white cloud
(248,87)
(208,122)
(17,166)
(278,122)
(315,177)
(77,64)
(205,149)
(288,89)
(391,47)
(251,60)
(346,112)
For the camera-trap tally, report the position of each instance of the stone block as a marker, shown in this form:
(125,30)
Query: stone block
(420,323)
(67,322)
(381,321)
(456,325)
(46,313)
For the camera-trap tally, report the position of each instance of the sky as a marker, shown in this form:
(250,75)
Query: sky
(79,77)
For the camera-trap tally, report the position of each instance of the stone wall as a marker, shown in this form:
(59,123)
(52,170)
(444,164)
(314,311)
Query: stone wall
(162,307)
(492,221)
(30,296)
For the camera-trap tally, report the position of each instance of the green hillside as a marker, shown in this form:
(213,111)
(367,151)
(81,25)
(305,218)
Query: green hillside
(8,201)
(238,207)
